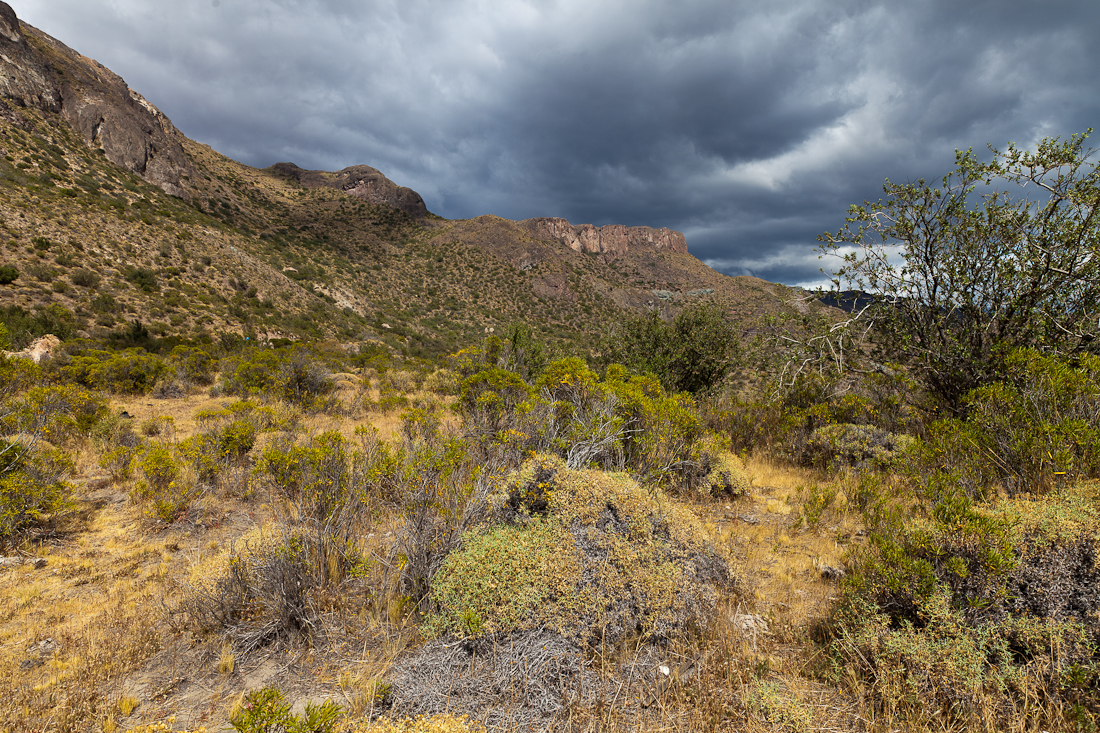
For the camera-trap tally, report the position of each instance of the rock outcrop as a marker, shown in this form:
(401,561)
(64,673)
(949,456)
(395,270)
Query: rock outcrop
(360,181)
(39,71)
(42,349)
(24,78)
(614,239)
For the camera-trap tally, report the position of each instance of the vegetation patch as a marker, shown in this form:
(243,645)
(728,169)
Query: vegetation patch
(591,555)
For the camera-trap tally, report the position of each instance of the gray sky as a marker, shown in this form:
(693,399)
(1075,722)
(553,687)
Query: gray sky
(750,126)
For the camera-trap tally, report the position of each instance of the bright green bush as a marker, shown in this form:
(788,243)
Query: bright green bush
(318,478)
(266,711)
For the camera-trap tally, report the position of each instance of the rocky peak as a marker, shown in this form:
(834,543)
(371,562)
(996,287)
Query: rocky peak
(39,71)
(24,77)
(613,239)
(360,181)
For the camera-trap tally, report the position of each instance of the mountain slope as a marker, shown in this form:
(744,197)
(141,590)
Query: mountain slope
(112,213)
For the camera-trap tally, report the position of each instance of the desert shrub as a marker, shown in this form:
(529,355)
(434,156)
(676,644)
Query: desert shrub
(56,413)
(25,326)
(167,489)
(32,485)
(723,474)
(32,471)
(219,455)
(267,711)
(118,461)
(441,723)
(84,278)
(293,374)
(442,382)
(1043,422)
(8,274)
(272,584)
(142,278)
(624,422)
(133,371)
(400,381)
(186,368)
(1031,433)
(662,431)
(834,446)
(488,399)
(975,610)
(589,555)
(317,478)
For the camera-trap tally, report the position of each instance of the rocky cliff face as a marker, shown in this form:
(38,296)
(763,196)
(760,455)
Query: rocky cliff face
(24,78)
(39,71)
(360,181)
(614,239)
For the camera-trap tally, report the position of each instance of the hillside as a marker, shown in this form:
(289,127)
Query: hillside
(112,213)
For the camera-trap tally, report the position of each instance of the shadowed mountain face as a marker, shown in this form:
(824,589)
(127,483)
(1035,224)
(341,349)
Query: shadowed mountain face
(117,217)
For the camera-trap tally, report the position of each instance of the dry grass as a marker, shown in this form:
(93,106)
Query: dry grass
(107,586)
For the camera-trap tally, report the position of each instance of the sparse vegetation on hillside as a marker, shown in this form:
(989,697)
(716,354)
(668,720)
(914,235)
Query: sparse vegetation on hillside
(303,461)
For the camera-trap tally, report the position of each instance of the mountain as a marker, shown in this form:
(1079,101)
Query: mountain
(113,214)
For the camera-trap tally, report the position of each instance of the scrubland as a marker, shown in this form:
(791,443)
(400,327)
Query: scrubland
(302,538)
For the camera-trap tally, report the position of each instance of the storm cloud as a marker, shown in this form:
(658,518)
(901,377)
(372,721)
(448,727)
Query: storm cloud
(750,126)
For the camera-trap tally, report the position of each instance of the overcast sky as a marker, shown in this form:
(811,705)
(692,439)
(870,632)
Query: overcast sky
(750,126)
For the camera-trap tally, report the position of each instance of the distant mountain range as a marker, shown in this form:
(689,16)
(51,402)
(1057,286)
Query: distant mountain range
(108,210)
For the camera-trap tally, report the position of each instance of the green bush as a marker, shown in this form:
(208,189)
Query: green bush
(186,367)
(133,371)
(142,278)
(694,352)
(292,374)
(588,554)
(974,609)
(266,711)
(165,491)
(8,274)
(84,278)
(32,486)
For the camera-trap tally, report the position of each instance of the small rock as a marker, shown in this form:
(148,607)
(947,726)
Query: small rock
(828,572)
(45,648)
(40,563)
(750,623)
(750,519)
(30,663)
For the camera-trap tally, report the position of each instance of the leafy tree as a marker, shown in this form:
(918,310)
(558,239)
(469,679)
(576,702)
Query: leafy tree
(1002,255)
(691,353)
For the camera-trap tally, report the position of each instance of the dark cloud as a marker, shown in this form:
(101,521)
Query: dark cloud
(750,126)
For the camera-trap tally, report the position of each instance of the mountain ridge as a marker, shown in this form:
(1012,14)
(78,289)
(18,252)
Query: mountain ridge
(196,244)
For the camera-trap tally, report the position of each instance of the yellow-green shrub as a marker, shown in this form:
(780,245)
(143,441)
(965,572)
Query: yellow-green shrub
(588,554)
(166,489)
(31,485)
(133,371)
